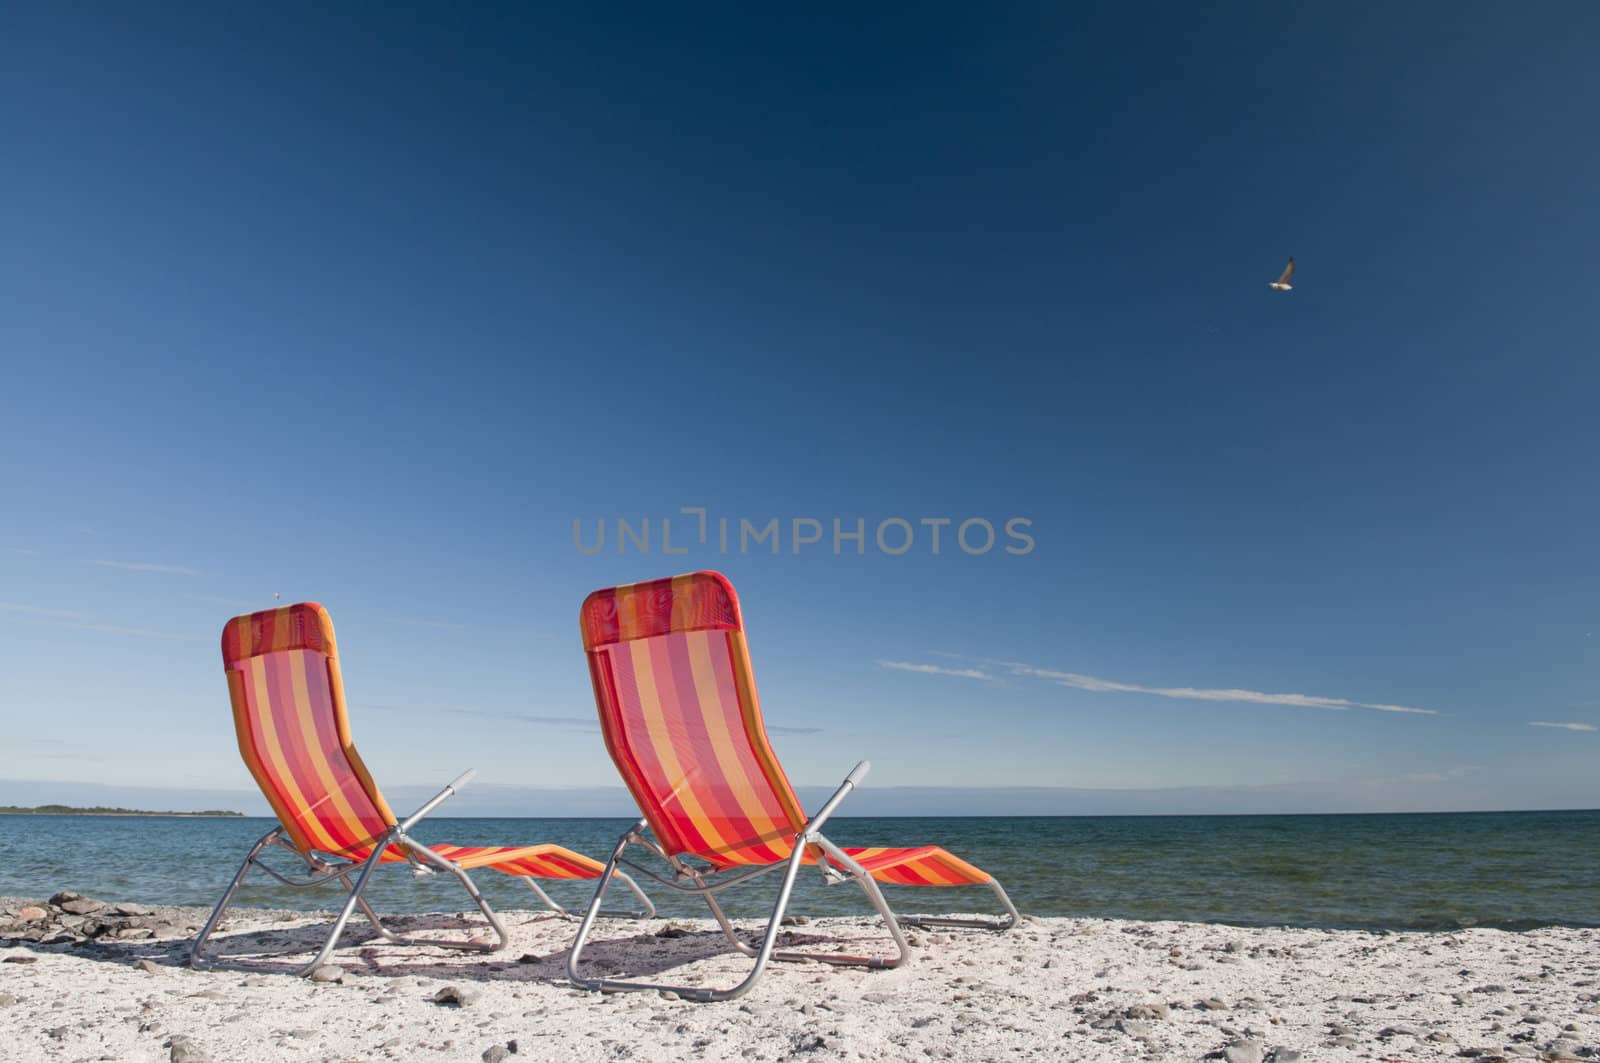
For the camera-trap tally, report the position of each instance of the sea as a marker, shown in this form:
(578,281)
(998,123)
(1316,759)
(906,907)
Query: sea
(1424,871)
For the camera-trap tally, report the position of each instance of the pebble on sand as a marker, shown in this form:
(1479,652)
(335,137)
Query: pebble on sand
(458,996)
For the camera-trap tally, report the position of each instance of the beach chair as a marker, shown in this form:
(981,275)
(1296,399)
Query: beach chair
(289,712)
(680,717)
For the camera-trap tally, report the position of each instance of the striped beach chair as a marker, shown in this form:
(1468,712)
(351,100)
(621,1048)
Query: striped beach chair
(679,712)
(289,712)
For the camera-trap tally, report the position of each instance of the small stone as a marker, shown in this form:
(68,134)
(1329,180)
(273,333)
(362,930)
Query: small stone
(1440,1037)
(877,998)
(1211,1004)
(496,1053)
(63,897)
(6,1000)
(133,909)
(81,906)
(1147,1011)
(1134,1028)
(1344,1040)
(32,913)
(328,972)
(1399,1031)
(20,959)
(1243,1051)
(1234,946)
(147,966)
(459,996)
(667,994)
(1592,1009)
(185,1051)
(671,931)
(527,957)
(1285,1055)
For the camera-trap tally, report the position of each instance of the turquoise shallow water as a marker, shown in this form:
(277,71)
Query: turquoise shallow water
(1512,870)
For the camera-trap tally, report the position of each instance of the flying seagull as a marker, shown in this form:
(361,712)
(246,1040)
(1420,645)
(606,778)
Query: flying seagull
(1282,283)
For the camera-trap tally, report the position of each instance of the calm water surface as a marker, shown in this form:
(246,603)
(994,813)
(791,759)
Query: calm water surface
(1428,871)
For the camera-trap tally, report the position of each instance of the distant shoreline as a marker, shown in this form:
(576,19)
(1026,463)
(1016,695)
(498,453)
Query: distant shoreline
(66,810)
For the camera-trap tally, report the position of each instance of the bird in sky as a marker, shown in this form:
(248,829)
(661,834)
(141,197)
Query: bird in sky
(1282,283)
(276,595)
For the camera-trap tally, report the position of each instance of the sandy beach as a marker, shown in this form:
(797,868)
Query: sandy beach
(1086,989)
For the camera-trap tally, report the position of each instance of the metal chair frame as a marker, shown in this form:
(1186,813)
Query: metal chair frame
(422,860)
(837,868)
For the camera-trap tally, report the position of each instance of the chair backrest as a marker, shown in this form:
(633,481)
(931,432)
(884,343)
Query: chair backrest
(679,713)
(288,709)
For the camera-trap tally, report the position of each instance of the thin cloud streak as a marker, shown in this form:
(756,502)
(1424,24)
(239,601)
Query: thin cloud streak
(587,725)
(85,622)
(34,610)
(1564,726)
(148,566)
(933,669)
(1079,681)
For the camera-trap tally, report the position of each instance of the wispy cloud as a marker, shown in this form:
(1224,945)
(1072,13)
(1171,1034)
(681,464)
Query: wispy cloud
(1564,726)
(1079,681)
(34,610)
(86,622)
(147,566)
(565,723)
(933,669)
(1460,771)
(585,724)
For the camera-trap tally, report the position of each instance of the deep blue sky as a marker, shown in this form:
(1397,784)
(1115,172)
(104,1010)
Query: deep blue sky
(367,306)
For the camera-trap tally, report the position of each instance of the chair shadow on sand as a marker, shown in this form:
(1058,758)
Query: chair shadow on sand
(362,953)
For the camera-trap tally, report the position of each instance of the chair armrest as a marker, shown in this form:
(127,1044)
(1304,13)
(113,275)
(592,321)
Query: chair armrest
(851,781)
(439,799)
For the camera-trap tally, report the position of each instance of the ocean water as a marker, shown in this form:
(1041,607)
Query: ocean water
(1512,870)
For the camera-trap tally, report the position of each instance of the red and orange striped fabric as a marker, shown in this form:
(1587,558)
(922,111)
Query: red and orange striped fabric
(294,735)
(679,712)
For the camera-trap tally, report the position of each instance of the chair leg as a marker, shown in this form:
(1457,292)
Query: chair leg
(544,898)
(727,927)
(467,884)
(198,961)
(601,885)
(350,903)
(1001,925)
(868,886)
(696,993)
(647,910)
(357,899)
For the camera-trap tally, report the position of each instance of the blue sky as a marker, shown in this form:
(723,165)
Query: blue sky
(368,306)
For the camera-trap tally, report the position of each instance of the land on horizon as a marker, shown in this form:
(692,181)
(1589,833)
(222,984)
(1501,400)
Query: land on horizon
(70,810)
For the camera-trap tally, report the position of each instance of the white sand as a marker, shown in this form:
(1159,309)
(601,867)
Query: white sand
(1060,989)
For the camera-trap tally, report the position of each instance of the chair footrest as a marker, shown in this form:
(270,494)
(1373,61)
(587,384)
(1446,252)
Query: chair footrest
(538,861)
(926,865)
